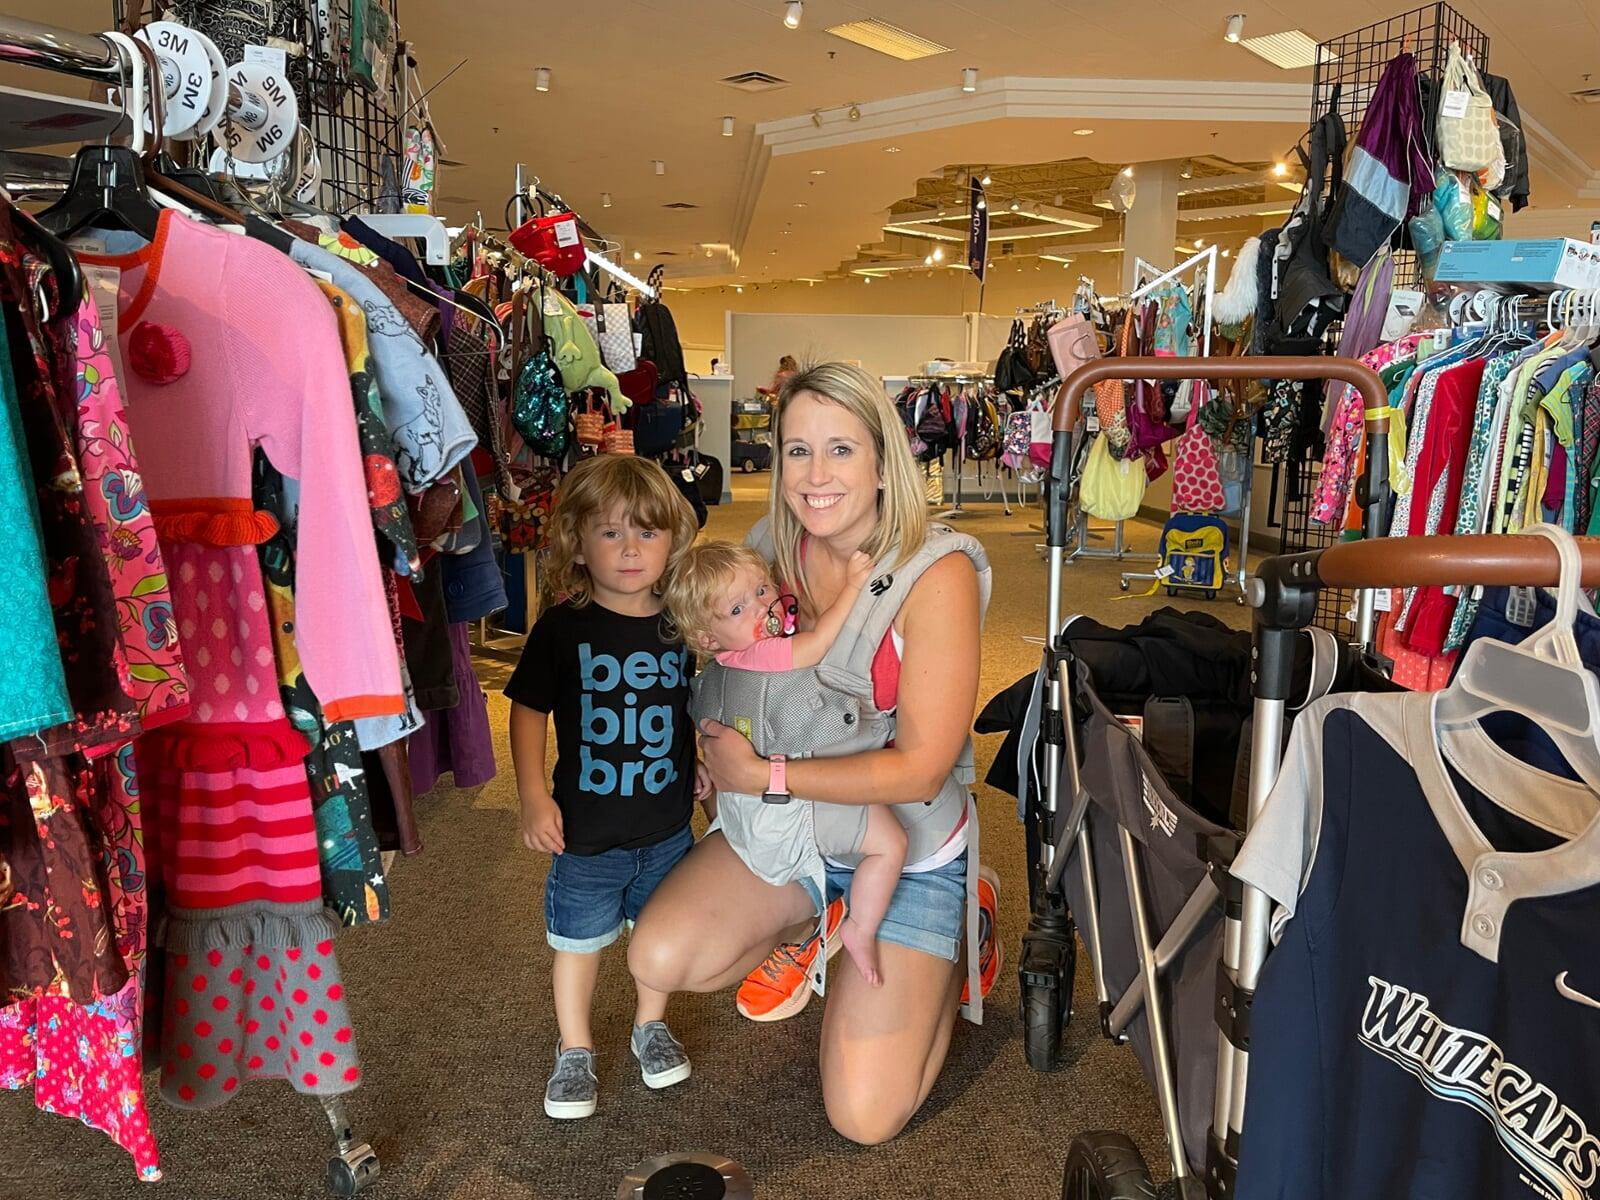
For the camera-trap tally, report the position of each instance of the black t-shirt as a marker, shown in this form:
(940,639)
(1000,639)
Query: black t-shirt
(619,695)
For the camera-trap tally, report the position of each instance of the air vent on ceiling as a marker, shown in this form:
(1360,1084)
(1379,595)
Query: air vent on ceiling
(1586,96)
(680,205)
(1293,50)
(888,39)
(755,81)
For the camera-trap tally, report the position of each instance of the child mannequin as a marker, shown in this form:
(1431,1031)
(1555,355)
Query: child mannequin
(722,600)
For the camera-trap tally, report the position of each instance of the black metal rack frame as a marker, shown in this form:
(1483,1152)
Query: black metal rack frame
(1352,63)
(359,130)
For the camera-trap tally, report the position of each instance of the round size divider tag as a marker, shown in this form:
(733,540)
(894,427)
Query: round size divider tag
(267,116)
(217,99)
(185,75)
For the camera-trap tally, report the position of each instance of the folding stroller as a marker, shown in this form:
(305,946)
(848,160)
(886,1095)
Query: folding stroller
(1133,854)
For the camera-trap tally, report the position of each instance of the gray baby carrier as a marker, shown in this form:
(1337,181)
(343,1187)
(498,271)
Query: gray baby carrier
(828,711)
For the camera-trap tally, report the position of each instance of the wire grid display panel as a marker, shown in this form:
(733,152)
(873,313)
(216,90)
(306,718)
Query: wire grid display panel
(1353,63)
(359,129)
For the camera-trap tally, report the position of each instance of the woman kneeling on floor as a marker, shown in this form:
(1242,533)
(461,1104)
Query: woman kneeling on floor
(844,480)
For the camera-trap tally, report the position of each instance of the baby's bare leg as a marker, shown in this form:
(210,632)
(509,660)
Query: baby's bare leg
(883,847)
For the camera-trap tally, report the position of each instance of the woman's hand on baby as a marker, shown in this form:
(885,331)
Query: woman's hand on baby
(541,826)
(704,789)
(731,760)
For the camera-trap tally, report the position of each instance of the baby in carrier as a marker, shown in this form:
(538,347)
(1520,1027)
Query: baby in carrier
(722,600)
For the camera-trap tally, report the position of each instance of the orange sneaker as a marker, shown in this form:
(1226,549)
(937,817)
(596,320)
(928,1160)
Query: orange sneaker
(780,987)
(989,949)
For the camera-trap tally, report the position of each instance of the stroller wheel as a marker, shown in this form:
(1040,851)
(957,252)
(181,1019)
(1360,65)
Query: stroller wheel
(1044,976)
(1106,1166)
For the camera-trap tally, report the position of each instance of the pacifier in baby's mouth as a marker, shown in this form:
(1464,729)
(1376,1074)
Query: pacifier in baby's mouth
(783,616)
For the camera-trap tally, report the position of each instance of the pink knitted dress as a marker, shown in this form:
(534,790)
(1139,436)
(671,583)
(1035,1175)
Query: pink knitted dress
(228,346)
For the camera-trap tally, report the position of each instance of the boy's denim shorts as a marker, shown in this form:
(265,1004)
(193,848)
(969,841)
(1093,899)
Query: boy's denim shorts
(927,911)
(588,898)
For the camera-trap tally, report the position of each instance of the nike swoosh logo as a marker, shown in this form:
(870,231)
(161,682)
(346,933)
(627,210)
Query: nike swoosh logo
(1572,993)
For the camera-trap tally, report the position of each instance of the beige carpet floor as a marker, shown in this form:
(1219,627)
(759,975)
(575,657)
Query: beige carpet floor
(455,1026)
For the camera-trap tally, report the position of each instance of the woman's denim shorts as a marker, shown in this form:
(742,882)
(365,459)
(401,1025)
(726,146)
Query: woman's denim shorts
(927,911)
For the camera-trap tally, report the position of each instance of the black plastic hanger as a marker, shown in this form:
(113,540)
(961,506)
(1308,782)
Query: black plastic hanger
(108,190)
(63,262)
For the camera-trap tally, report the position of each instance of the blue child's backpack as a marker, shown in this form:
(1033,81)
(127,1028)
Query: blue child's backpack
(1194,548)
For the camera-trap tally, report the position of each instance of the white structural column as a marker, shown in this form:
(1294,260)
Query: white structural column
(1152,224)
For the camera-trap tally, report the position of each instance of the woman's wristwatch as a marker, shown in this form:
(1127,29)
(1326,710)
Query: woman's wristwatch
(777,780)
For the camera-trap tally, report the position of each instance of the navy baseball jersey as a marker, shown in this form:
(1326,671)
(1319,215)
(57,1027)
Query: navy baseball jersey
(1428,1026)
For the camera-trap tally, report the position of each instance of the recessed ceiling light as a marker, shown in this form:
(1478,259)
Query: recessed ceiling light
(794,10)
(659,166)
(868,278)
(1280,169)
(799,203)
(637,256)
(969,79)
(541,79)
(771,251)
(740,290)
(727,126)
(888,39)
(1292,50)
(1083,132)
(785,233)
(819,171)
(1015,206)
(891,149)
(1235,29)
(938,254)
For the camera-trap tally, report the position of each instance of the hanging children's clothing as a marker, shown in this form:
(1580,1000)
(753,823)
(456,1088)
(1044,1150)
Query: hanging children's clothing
(252,988)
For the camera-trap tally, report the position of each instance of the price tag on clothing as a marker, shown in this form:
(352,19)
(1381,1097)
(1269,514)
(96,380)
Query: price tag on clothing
(1382,599)
(566,233)
(105,286)
(266,56)
(1163,571)
(1455,104)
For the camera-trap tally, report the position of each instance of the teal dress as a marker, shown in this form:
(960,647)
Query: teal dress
(33,689)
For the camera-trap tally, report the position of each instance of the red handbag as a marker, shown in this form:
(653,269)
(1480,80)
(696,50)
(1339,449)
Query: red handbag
(639,384)
(552,241)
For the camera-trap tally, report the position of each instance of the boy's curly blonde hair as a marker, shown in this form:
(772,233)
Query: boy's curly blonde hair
(596,487)
(695,583)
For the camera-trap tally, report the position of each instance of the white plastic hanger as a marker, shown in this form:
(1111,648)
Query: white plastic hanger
(1543,678)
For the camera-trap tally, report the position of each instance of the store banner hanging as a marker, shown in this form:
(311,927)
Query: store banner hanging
(977,228)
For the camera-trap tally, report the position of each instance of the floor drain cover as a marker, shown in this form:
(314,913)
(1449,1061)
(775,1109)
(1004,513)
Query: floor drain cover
(697,1176)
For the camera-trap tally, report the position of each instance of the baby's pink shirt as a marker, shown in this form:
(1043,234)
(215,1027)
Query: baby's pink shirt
(764,654)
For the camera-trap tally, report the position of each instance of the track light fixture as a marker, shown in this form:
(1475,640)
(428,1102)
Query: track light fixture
(984,182)
(816,117)
(969,79)
(1015,206)
(855,112)
(1186,169)
(727,126)
(938,254)
(792,12)
(605,199)
(541,79)
(1235,28)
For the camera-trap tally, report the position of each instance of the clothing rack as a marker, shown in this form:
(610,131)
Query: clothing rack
(957,458)
(354,1164)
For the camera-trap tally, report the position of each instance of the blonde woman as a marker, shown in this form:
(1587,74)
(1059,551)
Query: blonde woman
(844,480)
